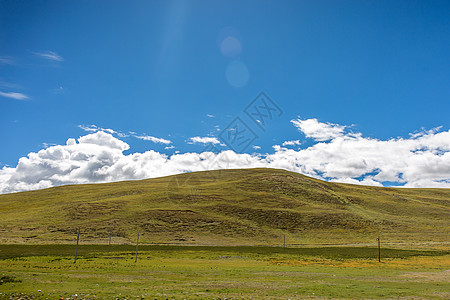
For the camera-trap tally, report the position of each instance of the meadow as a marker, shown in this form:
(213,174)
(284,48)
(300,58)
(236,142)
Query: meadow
(206,272)
(219,234)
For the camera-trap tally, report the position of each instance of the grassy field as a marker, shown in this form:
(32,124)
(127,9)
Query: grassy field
(216,234)
(191,272)
(229,207)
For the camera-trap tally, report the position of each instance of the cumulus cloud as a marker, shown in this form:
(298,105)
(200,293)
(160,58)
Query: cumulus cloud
(421,160)
(318,131)
(50,55)
(14,95)
(98,157)
(204,140)
(101,139)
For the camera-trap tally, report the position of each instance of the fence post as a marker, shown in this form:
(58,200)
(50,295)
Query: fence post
(76,248)
(109,243)
(137,245)
(379,249)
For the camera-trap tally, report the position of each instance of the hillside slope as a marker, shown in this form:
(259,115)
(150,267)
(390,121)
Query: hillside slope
(249,206)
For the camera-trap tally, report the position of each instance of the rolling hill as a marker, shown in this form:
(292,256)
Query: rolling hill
(229,207)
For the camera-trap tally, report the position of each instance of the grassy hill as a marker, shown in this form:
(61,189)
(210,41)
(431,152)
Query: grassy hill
(229,207)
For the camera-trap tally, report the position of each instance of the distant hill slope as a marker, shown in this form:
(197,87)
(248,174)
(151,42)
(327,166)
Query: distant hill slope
(249,206)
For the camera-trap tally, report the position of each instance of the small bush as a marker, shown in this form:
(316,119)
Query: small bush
(6,279)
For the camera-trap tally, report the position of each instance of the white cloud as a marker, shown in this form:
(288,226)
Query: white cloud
(9,85)
(422,132)
(101,139)
(50,55)
(46,145)
(256,147)
(122,135)
(422,160)
(210,116)
(153,139)
(204,140)
(98,157)
(89,128)
(6,60)
(13,95)
(95,128)
(169,147)
(318,131)
(365,181)
(291,143)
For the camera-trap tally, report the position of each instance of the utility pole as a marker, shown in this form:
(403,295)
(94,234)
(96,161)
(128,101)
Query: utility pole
(76,249)
(137,245)
(109,243)
(379,249)
(284,242)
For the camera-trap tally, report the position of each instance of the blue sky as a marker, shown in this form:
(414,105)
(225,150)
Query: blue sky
(175,70)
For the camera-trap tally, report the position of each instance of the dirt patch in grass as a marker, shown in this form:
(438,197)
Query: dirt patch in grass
(442,276)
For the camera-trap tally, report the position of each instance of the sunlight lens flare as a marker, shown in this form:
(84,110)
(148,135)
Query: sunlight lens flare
(237,74)
(229,42)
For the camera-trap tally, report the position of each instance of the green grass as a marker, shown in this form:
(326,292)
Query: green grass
(20,250)
(202,272)
(229,207)
(216,234)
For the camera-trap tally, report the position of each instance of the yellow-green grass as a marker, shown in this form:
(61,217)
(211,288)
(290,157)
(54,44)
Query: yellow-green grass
(229,207)
(192,272)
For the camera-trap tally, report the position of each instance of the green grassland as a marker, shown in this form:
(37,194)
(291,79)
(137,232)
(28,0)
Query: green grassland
(208,272)
(218,234)
(229,207)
